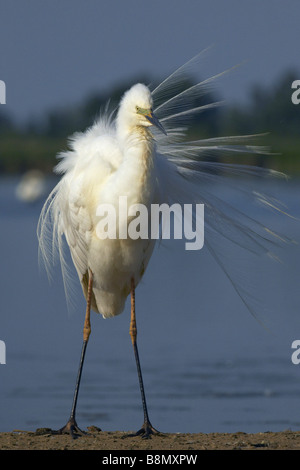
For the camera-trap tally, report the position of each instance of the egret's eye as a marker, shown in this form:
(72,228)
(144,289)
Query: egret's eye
(137,108)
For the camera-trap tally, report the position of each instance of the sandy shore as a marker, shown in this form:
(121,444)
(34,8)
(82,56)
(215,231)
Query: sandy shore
(110,441)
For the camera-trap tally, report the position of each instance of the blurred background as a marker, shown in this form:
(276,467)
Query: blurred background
(208,365)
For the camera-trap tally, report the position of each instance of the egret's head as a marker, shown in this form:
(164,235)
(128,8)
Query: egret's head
(136,108)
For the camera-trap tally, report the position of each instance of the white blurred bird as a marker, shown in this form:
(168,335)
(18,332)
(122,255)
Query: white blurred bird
(31,187)
(143,154)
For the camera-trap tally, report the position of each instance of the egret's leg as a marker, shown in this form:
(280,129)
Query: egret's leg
(147,429)
(71,426)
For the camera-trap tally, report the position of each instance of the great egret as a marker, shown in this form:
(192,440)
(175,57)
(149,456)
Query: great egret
(143,153)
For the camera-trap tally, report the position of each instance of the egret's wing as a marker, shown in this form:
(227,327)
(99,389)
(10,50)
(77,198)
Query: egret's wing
(239,241)
(194,172)
(65,219)
(70,210)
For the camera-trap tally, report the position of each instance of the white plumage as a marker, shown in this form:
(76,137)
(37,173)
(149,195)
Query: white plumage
(109,160)
(124,156)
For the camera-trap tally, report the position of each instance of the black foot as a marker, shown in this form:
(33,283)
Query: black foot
(71,428)
(146,431)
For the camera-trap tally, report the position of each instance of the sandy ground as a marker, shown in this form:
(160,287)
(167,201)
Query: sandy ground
(42,439)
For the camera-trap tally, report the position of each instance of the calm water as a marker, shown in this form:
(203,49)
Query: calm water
(208,365)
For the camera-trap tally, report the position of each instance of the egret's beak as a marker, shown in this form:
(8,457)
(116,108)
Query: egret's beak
(153,119)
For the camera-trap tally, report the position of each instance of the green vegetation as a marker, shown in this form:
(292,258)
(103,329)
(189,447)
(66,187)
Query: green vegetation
(270,111)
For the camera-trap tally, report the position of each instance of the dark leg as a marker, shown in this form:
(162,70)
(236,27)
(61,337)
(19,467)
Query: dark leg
(71,426)
(147,429)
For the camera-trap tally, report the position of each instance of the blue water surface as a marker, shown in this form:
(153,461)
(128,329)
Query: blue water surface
(208,364)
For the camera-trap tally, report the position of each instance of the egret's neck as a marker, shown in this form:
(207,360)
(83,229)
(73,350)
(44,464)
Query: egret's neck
(136,174)
(136,142)
(139,146)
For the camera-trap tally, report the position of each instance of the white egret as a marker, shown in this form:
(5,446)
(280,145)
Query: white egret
(32,186)
(143,153)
